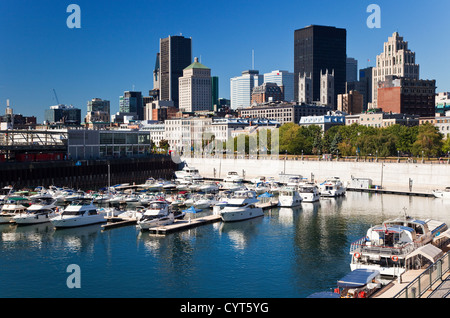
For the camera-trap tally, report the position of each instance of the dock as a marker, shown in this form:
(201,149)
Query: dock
(386,191)
(185,224)
(115,222)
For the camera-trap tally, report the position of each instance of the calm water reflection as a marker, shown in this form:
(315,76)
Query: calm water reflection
(288,253)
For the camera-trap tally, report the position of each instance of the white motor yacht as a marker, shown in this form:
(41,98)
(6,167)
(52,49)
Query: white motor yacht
(10,209)
(444,194)
(157,214)
(189,174)
(395,245)
(41,210)
(332,187)
(233,177)
(309,192)
(205,202)
(289,197)
(79,213)
(241,206)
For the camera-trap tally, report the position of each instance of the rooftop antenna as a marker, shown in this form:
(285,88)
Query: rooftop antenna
(253,59)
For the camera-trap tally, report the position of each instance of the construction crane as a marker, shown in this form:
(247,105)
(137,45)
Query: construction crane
(54,92)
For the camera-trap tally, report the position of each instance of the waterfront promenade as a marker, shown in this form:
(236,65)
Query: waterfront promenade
(394,175)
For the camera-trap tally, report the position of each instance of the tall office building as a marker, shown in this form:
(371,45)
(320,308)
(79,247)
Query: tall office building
(285,79)
(396,59)
(175,54)
(352,70)
(195,88)
(242,88)
(317,49)
(132,103)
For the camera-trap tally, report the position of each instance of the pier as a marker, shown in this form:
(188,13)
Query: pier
(177,225)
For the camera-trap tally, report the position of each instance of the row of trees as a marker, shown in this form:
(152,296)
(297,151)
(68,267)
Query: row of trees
(364,141)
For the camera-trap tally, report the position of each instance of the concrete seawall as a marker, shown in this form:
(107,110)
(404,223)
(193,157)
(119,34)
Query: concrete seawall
(390,175)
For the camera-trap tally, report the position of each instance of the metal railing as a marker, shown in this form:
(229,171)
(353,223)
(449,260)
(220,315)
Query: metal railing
(427,279)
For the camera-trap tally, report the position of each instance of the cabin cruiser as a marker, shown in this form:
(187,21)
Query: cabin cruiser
(332,187)
(205,202)
(309,192)
(241,206)
(388,247)
(10,209)
(41,210)
(289,197)
(445,194)
(233,177)
(157,214)
(79,213)
(188,173)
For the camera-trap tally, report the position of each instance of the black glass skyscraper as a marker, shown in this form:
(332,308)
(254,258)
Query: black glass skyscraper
(317,48)
(175,56)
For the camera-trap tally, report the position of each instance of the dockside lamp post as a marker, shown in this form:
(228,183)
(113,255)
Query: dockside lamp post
(422,156)
(398,155)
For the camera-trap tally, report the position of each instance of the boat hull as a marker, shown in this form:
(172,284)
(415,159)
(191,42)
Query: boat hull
(32,219)
(288,202)
(155,223)
(310,197)
(241,215)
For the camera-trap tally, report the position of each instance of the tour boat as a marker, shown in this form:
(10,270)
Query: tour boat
(79,213)
(241,206)
(332,187)
(41,210)
(289,197)
(393,246)
(309,192)
(157,214)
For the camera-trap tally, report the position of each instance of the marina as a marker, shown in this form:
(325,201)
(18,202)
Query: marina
(345,212)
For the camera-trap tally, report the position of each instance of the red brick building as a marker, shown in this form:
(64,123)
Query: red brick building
(407,96)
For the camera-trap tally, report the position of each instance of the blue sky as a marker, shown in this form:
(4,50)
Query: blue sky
(116,47)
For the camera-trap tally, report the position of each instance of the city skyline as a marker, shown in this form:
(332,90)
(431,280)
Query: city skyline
(115,48)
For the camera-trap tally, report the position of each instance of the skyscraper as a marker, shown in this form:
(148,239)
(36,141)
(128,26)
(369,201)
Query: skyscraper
(396,59)
(285,79)
(317,49)
(175,54)
(195,88)
(242,87)
(132,103)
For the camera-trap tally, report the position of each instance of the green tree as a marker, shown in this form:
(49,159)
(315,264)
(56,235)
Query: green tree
(429,141)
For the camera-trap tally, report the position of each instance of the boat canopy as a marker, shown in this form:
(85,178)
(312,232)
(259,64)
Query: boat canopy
(358,278)
(429,251)
(441,236)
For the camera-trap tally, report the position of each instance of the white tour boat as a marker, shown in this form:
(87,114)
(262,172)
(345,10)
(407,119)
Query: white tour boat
(309,192)
(289,197)
(390,248)
(241,206)
(157,214)
(79,213)
(41,210)
(332,187)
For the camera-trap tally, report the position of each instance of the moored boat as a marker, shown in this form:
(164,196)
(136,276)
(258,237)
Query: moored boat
(392,247)
(80,212)
(242,206)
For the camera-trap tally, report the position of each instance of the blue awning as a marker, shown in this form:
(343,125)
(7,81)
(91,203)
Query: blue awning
(358,278)
(192,210)
(265,195)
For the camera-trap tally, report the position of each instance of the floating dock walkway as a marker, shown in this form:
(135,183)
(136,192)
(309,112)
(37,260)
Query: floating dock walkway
(178,225)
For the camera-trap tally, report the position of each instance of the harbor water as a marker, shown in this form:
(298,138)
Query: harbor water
(288,253)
